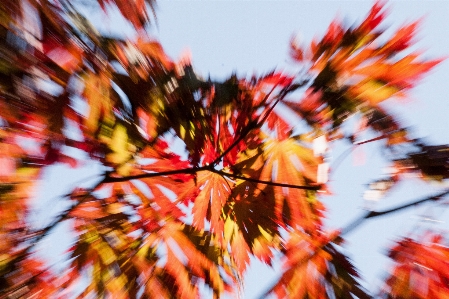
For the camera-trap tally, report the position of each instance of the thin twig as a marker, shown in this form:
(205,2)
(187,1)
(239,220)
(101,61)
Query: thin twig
(345,153)
(189,170)
(271,183)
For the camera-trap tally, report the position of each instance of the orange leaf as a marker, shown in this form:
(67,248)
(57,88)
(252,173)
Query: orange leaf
(240,252)
(209,195)
(288,162)
(88,210)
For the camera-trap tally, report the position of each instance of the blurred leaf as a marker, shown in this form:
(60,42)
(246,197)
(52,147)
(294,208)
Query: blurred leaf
(97,93)
(314,272)
(421,269)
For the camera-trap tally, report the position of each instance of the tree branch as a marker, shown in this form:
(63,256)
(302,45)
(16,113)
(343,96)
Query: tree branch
(236,176)
(373,214)
(436,197)
(383,136)
(279,98)
(190,170)
(251,125)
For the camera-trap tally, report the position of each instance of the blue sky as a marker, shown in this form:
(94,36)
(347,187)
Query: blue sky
(253,36)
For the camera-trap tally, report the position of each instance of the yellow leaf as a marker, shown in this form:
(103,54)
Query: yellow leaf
(288,162)
(374,91)
(125,170)
(229,228)
(182,131)
(265,233)
(119,146)
(106,254)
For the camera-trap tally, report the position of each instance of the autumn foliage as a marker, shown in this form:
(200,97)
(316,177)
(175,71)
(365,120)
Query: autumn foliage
(247,185)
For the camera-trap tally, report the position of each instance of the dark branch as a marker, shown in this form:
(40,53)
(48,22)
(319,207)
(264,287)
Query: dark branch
(371,140)
(279,98)
(190,170)
(236,176)
(252,125)
(373,214)
(256,124)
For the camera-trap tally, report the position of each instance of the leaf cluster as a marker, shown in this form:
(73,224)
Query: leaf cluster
(247,186)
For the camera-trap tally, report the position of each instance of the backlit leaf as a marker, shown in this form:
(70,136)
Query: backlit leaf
(209,194)
(287,162)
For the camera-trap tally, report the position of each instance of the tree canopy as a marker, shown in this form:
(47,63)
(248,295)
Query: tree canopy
(159,224)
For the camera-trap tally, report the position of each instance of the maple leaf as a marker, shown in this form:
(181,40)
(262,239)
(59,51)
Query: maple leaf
(197,262)
(121,149)
(154,201)
(254,218)
(103,245)
(119,146)
(240,251)
(189,260)
(251,208)
(352,70)
(279,126)
(172,105)
(402,39)
(400,74)
(421,269)
(208,193)
(316,271)
(374,18)
(165,202)
(154,51)
(208,244)
(161,158)
(288,162)
(136,12)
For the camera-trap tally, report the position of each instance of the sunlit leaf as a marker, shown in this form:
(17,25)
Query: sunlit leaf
(288,162)
(420,270)
(97,93)
(209,194)
(313,270)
